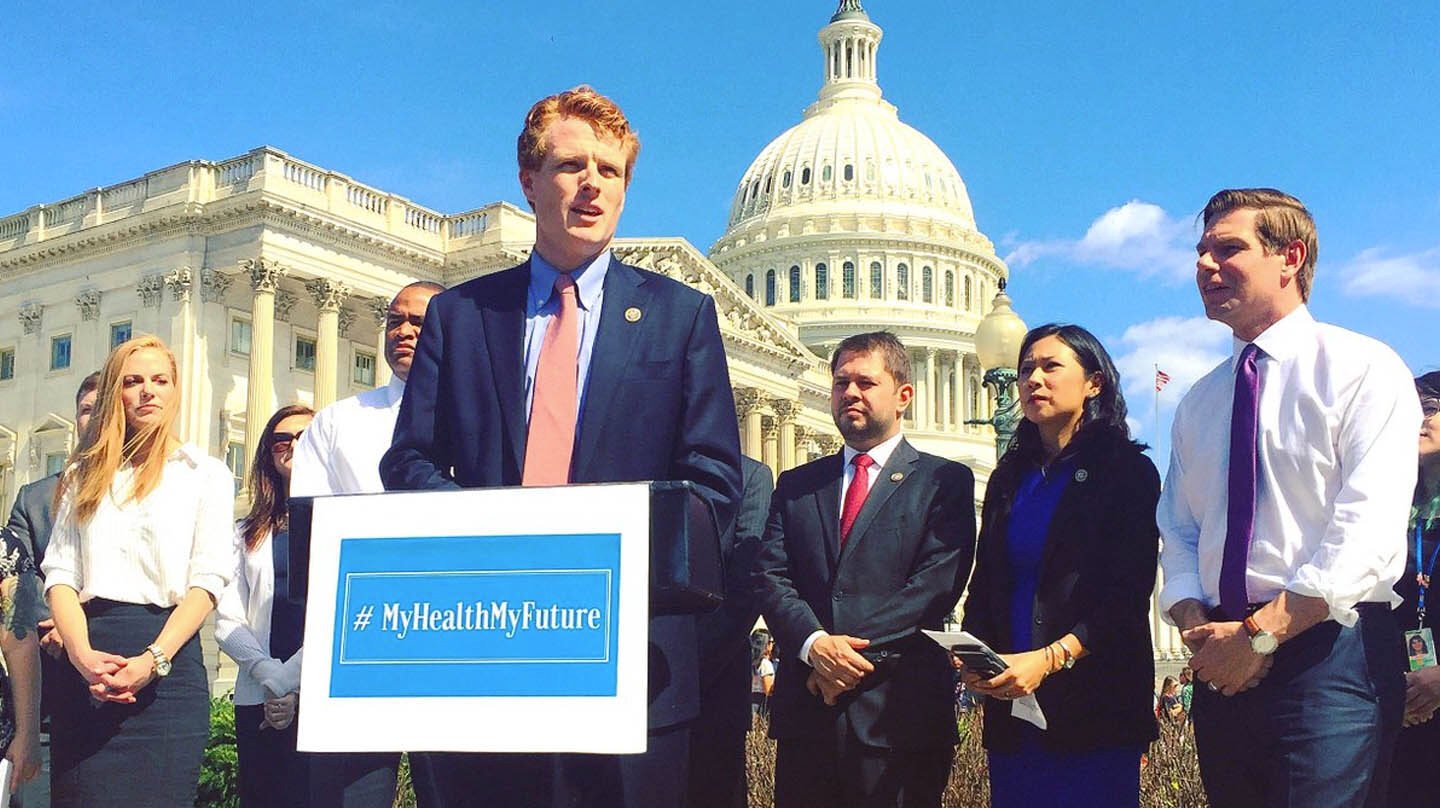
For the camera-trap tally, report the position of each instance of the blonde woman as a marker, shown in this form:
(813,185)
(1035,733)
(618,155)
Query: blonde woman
(141,550)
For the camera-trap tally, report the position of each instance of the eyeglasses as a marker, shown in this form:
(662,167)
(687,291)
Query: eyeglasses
(1430,406)
(282,442)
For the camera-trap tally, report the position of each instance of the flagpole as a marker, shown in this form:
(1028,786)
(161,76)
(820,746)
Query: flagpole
(1160,459)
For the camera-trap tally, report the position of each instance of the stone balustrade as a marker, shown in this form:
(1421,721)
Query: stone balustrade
(264,171)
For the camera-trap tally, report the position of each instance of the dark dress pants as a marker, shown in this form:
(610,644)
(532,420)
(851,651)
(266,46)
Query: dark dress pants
(272,773)
(840,771)
(1319,729)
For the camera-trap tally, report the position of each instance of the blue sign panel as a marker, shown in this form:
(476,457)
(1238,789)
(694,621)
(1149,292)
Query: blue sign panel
(477,616)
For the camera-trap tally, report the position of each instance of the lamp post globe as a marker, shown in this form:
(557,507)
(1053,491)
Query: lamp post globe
(997,344)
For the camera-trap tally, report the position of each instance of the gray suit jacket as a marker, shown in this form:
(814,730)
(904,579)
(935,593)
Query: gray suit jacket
(31,517)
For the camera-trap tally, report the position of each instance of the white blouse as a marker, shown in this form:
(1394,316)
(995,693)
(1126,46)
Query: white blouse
(242,628)
(155,549)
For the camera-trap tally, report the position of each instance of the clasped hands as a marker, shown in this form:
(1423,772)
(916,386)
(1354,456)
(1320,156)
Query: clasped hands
(112,677)
(1223,657)
(1023,676)
(837,666)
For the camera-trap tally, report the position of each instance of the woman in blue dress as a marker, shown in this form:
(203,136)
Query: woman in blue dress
(1065,565)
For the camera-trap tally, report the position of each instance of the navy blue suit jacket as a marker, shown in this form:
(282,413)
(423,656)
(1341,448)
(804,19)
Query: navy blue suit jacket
(658,406)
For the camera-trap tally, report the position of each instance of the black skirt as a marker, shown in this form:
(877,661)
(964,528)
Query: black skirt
(147,753)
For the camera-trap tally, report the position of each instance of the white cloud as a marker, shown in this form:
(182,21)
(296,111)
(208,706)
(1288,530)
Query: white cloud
(1186,348)
(1136,237)
(1412,278)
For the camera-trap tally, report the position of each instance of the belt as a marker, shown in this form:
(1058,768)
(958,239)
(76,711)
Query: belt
(1368,606)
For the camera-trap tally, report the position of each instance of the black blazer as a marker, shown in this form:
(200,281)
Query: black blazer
(1096,575)
(658,406)
(724,634)
(31,516)
(901,570)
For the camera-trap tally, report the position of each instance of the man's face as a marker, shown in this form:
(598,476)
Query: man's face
(403,321)
(84,408)
(1241,284)
(577,193)
(865,400)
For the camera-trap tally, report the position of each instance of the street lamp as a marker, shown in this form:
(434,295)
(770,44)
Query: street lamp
(997,343)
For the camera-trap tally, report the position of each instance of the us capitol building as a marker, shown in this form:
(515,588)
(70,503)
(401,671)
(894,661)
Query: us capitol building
(269,276)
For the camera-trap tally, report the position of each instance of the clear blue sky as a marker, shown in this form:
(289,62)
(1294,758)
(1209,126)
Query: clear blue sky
(1088,134)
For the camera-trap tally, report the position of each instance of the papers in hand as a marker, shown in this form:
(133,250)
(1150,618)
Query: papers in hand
(1025,708)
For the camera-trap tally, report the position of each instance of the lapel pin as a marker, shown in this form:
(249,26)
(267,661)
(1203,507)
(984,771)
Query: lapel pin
(632,315)
(1081,475)
(897,477)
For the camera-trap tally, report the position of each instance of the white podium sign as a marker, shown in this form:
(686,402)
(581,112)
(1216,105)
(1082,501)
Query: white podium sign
(493,620)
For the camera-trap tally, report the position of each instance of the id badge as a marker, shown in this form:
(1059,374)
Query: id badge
(1420,648)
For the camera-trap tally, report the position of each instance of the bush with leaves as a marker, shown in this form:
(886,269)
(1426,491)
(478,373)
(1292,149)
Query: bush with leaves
(219,774)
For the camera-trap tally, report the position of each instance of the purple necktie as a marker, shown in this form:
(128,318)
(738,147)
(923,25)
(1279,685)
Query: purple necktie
(1244,467)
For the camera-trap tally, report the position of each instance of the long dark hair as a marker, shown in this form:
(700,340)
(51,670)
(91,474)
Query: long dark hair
(267,489)
(1104,413)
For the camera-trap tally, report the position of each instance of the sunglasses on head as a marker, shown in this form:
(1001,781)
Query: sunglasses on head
(282,441)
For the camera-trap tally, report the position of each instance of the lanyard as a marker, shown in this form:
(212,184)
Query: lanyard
(1422,574)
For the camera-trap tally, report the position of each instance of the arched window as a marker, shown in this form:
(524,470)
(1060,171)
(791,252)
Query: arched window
(785,179)
(805,175)
(822,282)
(750,285)
(949,288)
(869,170)
(902,282)
(969,301)
(877,281)
(847,281)
(795,284)
(849,173)
(974,397)
(927,285)
(826,173)
(770,288)
(754,190)
(767,183)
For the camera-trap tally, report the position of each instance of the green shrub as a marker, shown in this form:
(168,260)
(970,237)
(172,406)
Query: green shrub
(219,774)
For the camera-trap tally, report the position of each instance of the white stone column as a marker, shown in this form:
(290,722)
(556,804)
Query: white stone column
(917,404)
(785,412)
(748,402)
(379,308)
(259,388)
(770,447)
(931,388)
(188,356)
(947,367)
(328,295)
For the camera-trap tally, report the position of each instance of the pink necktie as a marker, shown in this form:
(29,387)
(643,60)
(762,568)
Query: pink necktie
(552,414)
(855,494)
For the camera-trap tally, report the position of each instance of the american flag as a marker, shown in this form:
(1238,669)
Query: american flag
(1161,379)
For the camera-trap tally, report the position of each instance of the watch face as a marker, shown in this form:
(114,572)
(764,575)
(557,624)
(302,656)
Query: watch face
(1264,643)
(163,667)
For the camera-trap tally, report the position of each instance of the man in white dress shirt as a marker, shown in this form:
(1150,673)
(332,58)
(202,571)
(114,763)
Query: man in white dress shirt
(340,454)
(1283,520)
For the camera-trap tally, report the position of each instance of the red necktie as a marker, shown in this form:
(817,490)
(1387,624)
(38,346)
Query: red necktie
(855,494)
(551,438)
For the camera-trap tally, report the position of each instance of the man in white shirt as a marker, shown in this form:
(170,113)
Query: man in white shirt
(1283,520)
(340,454)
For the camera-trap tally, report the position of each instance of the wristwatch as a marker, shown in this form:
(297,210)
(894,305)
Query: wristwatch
(1262,642)
(162,662)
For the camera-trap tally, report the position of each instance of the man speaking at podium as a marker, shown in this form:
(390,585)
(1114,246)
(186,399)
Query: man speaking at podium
(575,368)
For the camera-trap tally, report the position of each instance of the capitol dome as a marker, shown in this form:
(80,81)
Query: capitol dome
(852,220)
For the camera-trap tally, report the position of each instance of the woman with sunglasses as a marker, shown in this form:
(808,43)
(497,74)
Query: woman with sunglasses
(141,550)
(1418,749)
(261,628)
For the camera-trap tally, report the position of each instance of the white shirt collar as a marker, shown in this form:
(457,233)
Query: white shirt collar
(879,453)
(395,389)
(1283,338)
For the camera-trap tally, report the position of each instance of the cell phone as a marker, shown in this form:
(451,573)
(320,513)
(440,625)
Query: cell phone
(981,660)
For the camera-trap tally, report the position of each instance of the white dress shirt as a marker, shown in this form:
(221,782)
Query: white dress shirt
(341,449)
(242,628)
(880,453)
(156,549)
(1338,423)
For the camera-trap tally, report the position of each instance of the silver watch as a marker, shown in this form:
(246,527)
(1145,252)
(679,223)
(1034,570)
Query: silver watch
(1262,642)
(162,662)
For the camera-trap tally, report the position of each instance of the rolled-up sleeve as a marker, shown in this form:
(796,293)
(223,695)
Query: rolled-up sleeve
(1364,541)
(215,553)
(62,556)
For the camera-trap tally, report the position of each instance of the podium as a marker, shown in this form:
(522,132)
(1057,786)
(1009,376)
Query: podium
(492,620)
